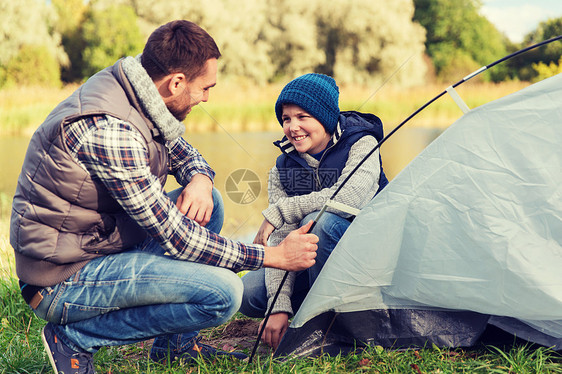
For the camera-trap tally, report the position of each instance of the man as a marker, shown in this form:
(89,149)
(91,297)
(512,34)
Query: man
(102,252)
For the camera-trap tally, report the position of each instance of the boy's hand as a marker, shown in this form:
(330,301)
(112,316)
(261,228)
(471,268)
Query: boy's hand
(265,230)
(277,325)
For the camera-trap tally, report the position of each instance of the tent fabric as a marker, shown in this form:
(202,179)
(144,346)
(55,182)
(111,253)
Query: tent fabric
(467,236)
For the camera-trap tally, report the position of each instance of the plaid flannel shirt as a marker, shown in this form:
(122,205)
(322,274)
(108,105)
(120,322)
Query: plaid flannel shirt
(116,155)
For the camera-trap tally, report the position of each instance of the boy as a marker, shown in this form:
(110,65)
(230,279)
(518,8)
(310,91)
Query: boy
(320,148)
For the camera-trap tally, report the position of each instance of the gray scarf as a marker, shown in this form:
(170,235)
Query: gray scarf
(150,100)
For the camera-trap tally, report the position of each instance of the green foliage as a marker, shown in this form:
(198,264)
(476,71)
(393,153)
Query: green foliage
(357,41)
(545,71)
(33,65)
(546,30)
(109,34)
(548,54)
(292,35)
(71,15)
(362,40)
(26,28)
(458,38)
(272,40)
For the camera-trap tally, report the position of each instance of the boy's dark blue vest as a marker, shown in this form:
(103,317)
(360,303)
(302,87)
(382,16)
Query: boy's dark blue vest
(298,178)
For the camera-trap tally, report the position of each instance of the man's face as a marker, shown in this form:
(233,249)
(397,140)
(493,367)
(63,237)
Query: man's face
(196,91)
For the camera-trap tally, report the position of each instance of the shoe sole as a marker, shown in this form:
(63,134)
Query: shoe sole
(48,349)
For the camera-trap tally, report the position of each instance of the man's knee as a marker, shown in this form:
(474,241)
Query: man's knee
(231,291)
(217,217)
(217,197)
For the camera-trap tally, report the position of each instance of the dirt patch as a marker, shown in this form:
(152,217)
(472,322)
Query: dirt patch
(238,334)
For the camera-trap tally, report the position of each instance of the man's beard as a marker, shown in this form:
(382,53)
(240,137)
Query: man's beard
(180,115)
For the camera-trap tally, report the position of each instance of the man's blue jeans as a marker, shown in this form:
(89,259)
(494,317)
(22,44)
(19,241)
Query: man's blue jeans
(141,294)
(329,229)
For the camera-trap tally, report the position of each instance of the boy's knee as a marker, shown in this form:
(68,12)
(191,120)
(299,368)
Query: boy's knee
(233,293)
(309,217)
(329,223)
(254,298)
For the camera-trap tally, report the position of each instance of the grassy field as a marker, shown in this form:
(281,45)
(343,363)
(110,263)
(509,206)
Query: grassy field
(21,351)
(242,108)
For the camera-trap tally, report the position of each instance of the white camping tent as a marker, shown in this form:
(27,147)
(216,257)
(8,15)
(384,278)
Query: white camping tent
(467,236)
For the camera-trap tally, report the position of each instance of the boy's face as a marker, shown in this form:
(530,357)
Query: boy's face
(304,132)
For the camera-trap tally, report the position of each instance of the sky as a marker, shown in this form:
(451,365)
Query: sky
(516,18)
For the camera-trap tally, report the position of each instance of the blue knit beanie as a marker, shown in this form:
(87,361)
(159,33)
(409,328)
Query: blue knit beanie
(317,94)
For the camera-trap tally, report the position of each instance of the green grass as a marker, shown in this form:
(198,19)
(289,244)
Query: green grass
(21,351)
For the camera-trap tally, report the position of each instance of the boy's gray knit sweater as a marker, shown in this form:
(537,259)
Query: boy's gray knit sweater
(285,213)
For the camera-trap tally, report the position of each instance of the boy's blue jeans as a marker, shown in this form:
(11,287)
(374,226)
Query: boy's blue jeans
(329,229)
(141,294)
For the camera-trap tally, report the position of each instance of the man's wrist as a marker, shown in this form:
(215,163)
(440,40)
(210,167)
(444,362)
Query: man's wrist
(202,178)
(271,257)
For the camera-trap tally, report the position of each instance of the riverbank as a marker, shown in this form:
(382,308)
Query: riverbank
(242,108)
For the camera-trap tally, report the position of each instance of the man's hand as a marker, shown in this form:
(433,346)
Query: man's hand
(277,325)
(295,253)
(265,230)
(196,199)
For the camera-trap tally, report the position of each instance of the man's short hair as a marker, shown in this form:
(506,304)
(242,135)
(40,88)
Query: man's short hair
(178,47)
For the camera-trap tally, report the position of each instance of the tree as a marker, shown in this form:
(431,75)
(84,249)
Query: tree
(546,55)
(109,34)
(365,41)
(459,39)
(71,16)
(355,41)
(236,26)
(546,30)
(33,65)
(27,36)
(291,35)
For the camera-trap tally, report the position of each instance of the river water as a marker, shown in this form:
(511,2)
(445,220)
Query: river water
(242,162)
